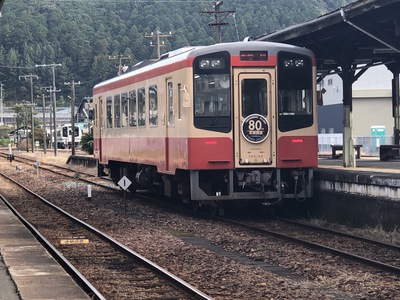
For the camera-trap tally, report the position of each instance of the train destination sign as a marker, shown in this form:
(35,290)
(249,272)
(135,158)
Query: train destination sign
(255,128)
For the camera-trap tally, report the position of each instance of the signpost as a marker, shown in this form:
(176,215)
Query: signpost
(124,183)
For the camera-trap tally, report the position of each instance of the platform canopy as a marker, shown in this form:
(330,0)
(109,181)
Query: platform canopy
(347,42)
(363,32)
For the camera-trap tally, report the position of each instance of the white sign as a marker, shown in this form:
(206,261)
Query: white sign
(124,183)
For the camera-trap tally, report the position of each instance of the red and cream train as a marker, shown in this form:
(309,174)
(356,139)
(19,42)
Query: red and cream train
(226,122)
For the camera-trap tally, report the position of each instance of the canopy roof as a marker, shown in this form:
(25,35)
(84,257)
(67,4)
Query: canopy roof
(363,32)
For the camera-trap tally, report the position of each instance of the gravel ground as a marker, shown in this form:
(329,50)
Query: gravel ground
(162,236)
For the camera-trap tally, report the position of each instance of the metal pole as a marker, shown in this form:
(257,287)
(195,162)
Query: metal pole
(54,111)
(26,131)
(44,124)
(54,103)
(1,104)
(32,121)
(73,117)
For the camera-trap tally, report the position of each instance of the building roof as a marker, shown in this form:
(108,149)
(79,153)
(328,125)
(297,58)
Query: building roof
(363,32)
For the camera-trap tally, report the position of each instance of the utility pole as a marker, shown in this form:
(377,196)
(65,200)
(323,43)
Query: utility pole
(218,20)
(44,122)
(121,68)
(1,105)
(31,77)
(158,44)
(54,102)
(72,84)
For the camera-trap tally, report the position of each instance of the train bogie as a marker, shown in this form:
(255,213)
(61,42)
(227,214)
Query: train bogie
(228,122)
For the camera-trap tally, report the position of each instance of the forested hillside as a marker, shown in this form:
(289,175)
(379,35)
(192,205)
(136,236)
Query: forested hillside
(82,34)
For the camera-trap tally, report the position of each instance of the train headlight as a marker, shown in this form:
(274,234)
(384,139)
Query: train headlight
(293,63)
(204,64)
(212,64)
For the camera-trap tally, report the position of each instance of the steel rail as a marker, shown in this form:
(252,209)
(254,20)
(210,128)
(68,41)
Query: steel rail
(178,282)
(354,257)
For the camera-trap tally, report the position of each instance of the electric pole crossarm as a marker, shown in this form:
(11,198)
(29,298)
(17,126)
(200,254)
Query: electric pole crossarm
(158,44)
(120,58)
(217,15)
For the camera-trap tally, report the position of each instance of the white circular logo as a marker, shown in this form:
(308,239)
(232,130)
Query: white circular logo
(255,128)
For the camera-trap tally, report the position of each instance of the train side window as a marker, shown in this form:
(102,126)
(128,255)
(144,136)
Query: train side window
(109,112)
(170,103)
(179,101)
(117,111)
(124,110)
(153,106)
(132,109)
(141,107)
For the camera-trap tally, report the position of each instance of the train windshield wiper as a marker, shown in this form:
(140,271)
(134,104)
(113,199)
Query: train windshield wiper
(219,112)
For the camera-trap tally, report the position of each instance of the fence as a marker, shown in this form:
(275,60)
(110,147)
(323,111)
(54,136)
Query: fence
(370,145)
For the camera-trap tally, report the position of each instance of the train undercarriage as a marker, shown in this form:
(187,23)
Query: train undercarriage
(214,188)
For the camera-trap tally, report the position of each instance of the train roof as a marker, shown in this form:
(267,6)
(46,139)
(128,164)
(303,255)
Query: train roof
(186,52)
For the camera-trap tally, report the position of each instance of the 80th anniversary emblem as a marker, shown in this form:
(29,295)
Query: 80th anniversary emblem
(255,128)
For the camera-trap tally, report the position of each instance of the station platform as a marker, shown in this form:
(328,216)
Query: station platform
(365,195)
(364,164)
(27,270)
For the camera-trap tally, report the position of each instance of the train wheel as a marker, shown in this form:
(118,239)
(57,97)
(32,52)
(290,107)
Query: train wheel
(214,210)
(195,205)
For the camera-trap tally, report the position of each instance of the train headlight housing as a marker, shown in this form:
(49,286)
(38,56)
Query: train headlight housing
(212,63)
(293,63)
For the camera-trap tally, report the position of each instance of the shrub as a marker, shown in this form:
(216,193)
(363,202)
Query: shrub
(87,143)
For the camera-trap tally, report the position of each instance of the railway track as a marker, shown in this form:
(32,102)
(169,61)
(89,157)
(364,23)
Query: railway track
(103,266)
(370,252)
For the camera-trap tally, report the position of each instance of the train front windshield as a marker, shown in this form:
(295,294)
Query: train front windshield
(212,105)
(295,93)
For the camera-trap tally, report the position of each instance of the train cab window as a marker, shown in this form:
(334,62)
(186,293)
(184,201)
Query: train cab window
(132,109)
(153,106)
(109,111)
(117,111)
(141,107)
(212,98)
(170,103)
(254,97)
(295,91)
(124,110)
(65,131)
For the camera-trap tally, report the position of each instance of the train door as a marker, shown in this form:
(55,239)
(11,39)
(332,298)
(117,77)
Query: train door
(100,126)
(170,122)
(255,137)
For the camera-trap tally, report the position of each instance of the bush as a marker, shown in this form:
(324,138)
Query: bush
(4,142)
(87,143)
